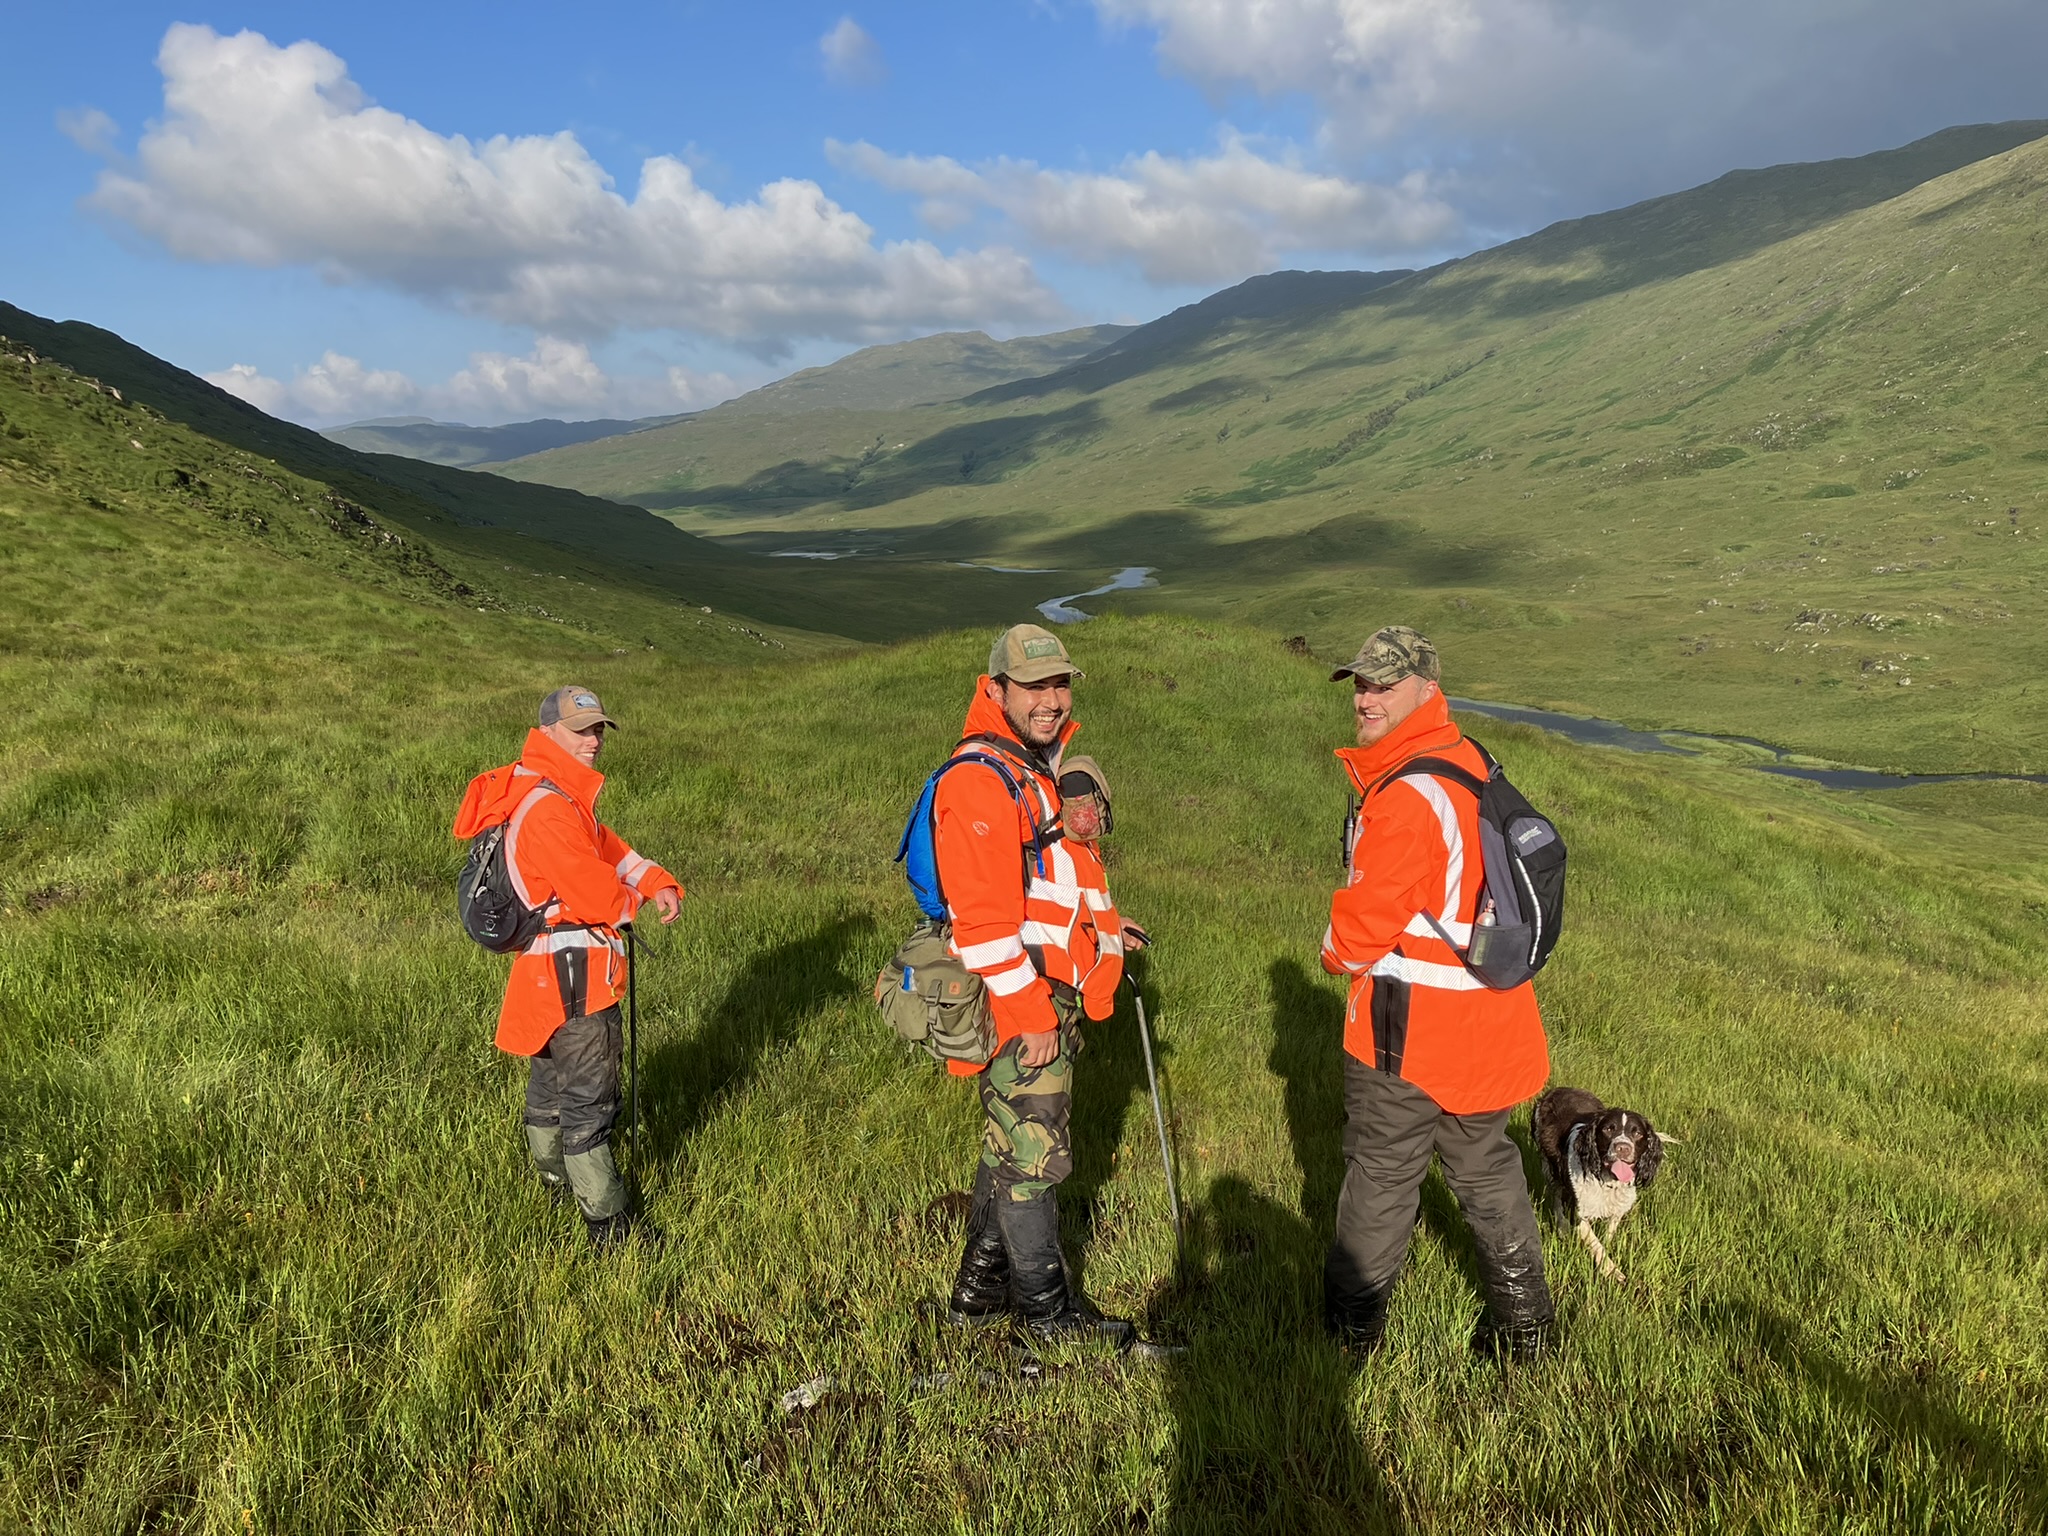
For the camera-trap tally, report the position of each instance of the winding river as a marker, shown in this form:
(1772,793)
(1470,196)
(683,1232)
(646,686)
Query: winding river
(1607,733)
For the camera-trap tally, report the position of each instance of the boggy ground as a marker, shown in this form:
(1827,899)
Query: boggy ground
(269,1260)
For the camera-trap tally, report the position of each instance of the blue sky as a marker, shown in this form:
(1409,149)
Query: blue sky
(492,212)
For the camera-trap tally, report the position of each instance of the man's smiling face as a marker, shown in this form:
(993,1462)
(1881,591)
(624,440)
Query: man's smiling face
(1037,712)
(1381,707)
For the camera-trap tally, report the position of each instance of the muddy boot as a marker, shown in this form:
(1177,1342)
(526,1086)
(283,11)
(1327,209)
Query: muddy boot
(981,1291)
(1520,1325)
(1039,1290)
(544,1146)
(1358,1320)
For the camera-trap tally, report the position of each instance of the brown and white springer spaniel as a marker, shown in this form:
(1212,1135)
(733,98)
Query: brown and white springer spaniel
(1599,1161)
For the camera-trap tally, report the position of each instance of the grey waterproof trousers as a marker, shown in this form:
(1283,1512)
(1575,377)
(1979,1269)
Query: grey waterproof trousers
(572,1103)
(1391,1129)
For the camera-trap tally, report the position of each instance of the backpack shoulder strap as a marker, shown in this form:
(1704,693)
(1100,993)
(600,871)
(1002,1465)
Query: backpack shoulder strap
(1439,768)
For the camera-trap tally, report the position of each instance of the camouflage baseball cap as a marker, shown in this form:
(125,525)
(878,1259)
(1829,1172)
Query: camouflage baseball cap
(577,708)
(1027,654)
(1389,655)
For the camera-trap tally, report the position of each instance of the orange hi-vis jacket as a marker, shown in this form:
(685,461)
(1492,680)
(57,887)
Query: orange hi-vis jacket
(1088,952)
(1415,1010)
(563,860)
(1007,917)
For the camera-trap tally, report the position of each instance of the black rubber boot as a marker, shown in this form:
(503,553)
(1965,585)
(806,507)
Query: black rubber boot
(610,1233)
(1520,1325)
(1038,1278)
(1358,1321)
(981,1291)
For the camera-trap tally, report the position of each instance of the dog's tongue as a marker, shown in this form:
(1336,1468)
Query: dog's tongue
(1625,1172)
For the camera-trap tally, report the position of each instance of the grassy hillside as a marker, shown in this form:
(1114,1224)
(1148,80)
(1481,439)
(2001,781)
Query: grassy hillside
(460,446)
(269,1262)
(543,531)
(1760,458)
(928,368)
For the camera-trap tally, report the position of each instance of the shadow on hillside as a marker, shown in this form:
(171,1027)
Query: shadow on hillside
(1926,1425)
(1265,1438)
(1109,1082)
(966,453)
(684,1081)
(1184,547)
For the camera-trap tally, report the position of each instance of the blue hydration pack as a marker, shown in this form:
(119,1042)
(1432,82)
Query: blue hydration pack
(917,852)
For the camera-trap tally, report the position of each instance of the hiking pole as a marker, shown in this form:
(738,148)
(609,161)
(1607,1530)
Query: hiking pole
(1158,1114)
(633,1050)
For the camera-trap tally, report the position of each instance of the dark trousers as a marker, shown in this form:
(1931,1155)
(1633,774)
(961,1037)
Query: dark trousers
(1391,1130)
(574,1081)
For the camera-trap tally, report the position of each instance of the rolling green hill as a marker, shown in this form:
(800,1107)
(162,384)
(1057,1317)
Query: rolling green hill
(461,447)
(269,1260)
(1761,458)
(545,531)
(945,366)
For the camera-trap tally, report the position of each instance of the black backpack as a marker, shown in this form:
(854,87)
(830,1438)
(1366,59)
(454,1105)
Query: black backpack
(491,910)
(1524,858)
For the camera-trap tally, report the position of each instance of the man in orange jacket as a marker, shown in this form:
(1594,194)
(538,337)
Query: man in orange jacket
(1012,924)
(1434,1059)
(561,1008)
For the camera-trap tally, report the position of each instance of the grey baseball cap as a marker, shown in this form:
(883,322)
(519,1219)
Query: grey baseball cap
(1391,654)
(1024,653)
(577,708)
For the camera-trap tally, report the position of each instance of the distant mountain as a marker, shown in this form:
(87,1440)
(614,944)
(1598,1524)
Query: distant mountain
(922,372)
(1295,297)
(459,446)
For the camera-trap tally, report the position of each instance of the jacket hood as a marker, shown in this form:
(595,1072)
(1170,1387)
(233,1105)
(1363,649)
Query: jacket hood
(1429,729)
(492,797)
(985,717)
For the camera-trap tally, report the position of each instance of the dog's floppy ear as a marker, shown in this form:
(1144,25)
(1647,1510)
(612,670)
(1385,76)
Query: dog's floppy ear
(1650,1158)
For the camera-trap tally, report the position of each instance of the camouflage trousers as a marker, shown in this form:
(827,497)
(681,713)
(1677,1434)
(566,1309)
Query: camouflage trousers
(1025,1141)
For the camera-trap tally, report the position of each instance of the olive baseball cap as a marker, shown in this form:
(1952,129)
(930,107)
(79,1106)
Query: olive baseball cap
(1391,654)
(1024,653)
(577,708)
(1083,776)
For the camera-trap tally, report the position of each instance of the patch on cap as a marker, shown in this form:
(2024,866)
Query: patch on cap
(1025,653)
(577,708)
(1391,654)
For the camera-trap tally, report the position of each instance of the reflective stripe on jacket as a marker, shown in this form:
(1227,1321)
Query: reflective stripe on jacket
(1415,1010)
(981,837)
(1093,948)
(564,861)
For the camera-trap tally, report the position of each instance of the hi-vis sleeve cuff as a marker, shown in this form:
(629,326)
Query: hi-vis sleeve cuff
(1335,963)
(1109,943)
(1012,981)
(632,867)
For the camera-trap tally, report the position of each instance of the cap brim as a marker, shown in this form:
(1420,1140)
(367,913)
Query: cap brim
(584,719)
(1039,671)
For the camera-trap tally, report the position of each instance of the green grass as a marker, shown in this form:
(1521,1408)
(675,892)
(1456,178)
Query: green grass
(269,1260)
(1658,436)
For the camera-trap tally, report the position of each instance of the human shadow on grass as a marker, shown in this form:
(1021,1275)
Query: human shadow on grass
(1261,1397)
(1915,1422)
(1109,1080)
(684,1080)
(1308,1056)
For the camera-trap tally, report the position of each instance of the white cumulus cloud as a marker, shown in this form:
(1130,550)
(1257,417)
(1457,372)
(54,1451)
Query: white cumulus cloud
(1561,106)
(851,56)
(1214,218)
(557,378)
(273,156)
